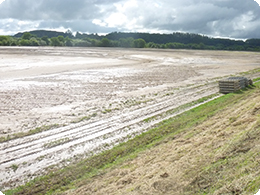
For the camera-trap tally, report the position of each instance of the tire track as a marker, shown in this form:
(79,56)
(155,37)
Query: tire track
(88,136)
(75,131)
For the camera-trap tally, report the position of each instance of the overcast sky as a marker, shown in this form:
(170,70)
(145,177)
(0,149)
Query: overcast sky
(218,18)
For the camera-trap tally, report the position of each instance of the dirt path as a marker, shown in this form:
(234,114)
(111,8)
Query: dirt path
(98,97)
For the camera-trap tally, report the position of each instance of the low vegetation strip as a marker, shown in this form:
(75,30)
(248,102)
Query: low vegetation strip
(237,159)
(31,132)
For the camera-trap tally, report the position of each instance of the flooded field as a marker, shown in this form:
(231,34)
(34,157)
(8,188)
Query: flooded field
(89,99)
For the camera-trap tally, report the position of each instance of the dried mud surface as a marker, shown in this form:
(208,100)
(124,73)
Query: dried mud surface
(96,97)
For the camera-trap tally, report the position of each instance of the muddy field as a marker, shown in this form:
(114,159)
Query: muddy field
(93,98)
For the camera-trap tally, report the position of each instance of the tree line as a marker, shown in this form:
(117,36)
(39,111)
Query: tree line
(128,40)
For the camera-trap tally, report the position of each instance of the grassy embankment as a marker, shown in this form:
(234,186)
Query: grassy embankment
(239,152)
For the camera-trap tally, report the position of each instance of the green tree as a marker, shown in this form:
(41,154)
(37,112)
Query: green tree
(13,44)
(94,42)
(46,39)
(34,42)
(202,46)
(26,36)
(139,43)
(114,43)
(55,42)
(61,38)
(5,41)
(151,45)
(68,43)
(105,42)
(42,42)
(82,43)
(128,42)
(24,42)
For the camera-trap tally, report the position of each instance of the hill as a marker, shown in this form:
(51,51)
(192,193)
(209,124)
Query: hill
(175,40)
(176,37)
(48,33)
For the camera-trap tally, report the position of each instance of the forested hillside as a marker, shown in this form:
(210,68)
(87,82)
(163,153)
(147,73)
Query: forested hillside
(175,40)
(49,34)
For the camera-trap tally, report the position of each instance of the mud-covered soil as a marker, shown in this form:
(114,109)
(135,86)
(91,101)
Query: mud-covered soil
(94,98)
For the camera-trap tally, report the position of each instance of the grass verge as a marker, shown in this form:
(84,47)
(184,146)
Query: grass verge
(182,107)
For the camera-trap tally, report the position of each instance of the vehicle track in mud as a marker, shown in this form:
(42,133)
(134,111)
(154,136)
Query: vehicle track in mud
(127,98)
(86,137)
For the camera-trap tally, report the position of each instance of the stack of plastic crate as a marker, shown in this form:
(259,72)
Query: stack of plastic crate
(229,85)
(233,84)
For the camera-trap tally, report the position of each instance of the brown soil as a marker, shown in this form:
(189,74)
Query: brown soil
(114,90)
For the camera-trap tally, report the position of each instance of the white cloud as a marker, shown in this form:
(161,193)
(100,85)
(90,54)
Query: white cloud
(119,14)
(116,20)
(99,22)
(229,18)
(258,1)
